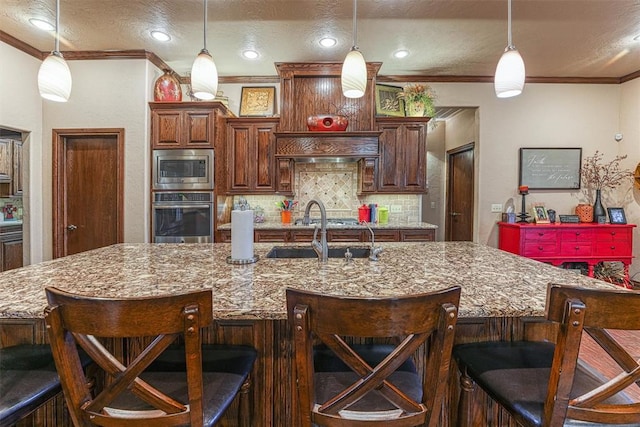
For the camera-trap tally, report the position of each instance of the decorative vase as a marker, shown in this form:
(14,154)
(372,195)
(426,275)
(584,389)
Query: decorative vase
(598,209)
(584,212)
(167,88)
(415,109)
(327,123)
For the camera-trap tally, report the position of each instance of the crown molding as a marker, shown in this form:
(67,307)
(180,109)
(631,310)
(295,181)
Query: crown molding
(158,62)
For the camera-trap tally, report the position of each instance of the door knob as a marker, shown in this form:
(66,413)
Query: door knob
(71,227)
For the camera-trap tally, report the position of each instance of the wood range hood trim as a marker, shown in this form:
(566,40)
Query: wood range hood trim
(327,146)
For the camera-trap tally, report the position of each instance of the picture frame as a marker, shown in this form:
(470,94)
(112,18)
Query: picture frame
(616,216)
(257,101)
(387,101)
(550,168)
(540,214)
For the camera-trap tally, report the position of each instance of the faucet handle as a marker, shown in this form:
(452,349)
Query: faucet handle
(315,232)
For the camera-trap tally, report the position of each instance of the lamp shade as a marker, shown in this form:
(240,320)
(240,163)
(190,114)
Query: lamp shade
(354,74)
(54,78)
(204,76)
(509,79)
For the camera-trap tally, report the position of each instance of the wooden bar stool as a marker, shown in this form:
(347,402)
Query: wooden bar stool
(545,383)
(164,384)
(345,379)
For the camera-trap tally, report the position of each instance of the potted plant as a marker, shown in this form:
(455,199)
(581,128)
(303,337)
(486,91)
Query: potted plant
(419,100)
(599,176)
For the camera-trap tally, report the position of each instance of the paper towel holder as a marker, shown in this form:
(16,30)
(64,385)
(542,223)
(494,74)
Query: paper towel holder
(251,260)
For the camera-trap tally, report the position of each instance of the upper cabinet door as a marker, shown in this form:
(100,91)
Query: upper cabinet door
(251,155)
(402,166)
(183,125)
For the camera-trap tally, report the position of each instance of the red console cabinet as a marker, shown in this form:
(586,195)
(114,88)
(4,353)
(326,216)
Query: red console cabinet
(560,243)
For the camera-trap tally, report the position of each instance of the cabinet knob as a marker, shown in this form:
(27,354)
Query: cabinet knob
(577,233)
(613,233)
(540,248)
(577,247)
(613,248)
(540,234)
(71,227)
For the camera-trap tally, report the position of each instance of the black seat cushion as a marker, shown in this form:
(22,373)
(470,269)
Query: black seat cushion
(332,376)
(225,369)
(516,375)
(28,378)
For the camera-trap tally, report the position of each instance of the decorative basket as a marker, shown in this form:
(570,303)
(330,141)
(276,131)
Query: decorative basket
(584,212)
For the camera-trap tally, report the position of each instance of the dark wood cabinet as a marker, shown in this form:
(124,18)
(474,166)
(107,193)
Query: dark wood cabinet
(17,167)
(250,154)
(10,167)
(402,167)
(10,247)
(184,124)
(335,235)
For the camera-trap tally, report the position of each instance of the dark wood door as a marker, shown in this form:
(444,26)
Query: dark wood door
(460,193)
(88,190)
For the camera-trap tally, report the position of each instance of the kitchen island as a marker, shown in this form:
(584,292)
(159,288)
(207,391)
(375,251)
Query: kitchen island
(503,296)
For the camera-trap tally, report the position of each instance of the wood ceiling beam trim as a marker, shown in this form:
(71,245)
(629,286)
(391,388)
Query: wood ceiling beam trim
(22,46)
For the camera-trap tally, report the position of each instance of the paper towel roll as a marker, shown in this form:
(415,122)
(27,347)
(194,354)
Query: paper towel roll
(241,235)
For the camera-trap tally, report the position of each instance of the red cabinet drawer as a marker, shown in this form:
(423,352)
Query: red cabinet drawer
(613,234)
(573,249)
(613,249)
(576,235)
(540,249)
(542,235)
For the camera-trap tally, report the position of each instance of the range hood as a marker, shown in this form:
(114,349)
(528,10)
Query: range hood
(312,147)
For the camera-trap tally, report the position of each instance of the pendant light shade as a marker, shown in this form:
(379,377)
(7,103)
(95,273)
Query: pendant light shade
(510,72)
(204,74)
(54,76)
(354,68)
(354,74)
(509,79)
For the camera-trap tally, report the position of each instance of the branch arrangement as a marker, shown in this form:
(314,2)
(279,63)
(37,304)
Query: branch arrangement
(598,175)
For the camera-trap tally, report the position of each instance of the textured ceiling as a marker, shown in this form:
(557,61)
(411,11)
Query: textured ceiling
(557,38)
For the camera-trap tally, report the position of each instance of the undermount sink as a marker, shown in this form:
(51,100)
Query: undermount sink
(285,252)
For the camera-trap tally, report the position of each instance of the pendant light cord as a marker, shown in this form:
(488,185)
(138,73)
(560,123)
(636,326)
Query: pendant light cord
(57,26)
(355,24)
(509,41)
(205,24)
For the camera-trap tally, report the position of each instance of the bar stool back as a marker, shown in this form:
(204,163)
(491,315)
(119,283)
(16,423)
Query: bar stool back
(157,387)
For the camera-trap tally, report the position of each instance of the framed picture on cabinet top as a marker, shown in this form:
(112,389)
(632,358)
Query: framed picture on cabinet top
(616,216)
(540,214)
(387,101)
(258,101)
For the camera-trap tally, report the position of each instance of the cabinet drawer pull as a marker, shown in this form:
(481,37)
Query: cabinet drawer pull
(540,234)
(577,247)
(613,248)
(577,233)
(613,233)
(540,248)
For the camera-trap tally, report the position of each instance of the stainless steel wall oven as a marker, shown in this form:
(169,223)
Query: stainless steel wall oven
(182,217)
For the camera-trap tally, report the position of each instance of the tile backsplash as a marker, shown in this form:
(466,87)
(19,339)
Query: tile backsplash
(336,185)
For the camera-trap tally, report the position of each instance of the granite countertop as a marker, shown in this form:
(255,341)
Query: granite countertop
(494,283)
(270,225)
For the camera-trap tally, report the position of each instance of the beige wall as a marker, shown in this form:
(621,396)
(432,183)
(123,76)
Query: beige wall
(115,94)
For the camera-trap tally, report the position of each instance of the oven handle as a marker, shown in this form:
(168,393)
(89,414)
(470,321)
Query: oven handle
(185,206)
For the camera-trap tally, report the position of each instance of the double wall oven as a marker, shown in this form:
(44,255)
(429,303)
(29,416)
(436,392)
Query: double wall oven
(183,208)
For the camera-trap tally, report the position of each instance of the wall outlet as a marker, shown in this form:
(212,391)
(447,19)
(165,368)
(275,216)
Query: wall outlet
(395,208)
(496,207)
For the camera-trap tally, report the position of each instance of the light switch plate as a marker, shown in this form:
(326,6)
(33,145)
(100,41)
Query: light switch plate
(395,208)
(496,207)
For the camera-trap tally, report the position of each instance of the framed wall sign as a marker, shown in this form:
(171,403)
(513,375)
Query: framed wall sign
(258,101)
(550,168)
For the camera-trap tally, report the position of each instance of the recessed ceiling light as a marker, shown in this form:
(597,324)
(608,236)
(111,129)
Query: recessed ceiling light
(250,54)
(43,25)
(402,53)
(327,42)
(160,36)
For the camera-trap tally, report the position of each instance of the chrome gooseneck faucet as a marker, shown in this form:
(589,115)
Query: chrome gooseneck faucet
(321,248)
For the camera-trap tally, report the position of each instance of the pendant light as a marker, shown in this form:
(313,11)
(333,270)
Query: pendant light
(54,76)
(204,74)
(509,79)
(354,68)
